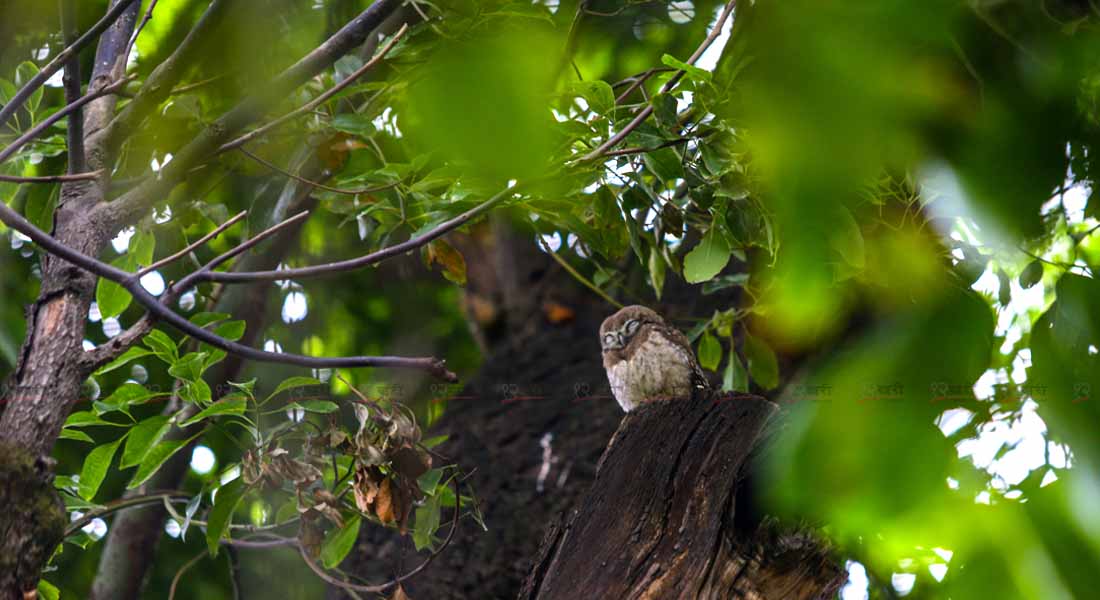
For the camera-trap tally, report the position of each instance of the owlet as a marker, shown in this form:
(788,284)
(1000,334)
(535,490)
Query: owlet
(646,358)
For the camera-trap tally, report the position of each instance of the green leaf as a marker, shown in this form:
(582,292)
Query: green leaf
(189,367)
(735,378)
(233,404)
(75,434)
(143,436)
(429,480)
(710,352)
(225,502)
(231,330)
(598,94)
(691,71)
(315,406)
(188,514)
(708,258)
(131,354)
(656,271)
(203,319)
(763,366)
(1032,274)
(141,248)
(339,542)
(293,382)
(111,298)
(130,393)
(24,73)
(85,418)
(427,521)
(432,442)
(95,468)
(162,346)
(154,458)
(47,590)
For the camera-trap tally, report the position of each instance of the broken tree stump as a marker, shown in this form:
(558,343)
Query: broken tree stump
(669,516)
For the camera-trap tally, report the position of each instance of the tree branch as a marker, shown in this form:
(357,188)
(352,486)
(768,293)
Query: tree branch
(59,61)
(316,184)
(190,247)
(37,130)
(16,221)
(123,503)
(75,131)
(362,261)
(319,100)
(671,83)
(160,82)
(51,178)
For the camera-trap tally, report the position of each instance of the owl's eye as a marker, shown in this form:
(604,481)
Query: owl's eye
(608,340)
(631,326)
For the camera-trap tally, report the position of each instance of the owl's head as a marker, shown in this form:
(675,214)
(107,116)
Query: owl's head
(618,329)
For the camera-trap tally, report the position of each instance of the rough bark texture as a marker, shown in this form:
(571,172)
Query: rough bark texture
(661,519)
(34,519)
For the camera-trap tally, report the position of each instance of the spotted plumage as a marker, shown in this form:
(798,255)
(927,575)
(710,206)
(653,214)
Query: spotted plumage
(646,358)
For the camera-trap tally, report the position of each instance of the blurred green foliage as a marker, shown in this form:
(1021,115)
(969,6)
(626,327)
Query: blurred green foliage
(903,191)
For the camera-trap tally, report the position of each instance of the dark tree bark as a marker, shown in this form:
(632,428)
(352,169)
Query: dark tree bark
(666,516)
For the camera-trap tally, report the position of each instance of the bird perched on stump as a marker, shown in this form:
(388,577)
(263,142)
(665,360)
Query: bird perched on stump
(647,359)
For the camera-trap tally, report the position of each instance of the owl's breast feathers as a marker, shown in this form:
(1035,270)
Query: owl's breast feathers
(656,363)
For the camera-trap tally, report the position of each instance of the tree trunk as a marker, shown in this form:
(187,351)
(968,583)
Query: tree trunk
(667,516)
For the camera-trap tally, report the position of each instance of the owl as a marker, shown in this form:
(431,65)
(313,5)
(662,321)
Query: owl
(646,358)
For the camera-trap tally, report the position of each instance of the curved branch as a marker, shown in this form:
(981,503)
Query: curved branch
(362,261)
(16,221)
(59,61)
(316,184)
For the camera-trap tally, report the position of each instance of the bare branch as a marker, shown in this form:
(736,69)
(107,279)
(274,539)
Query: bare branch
(37,130)
(362,261)
(191,247)
(51,178)
(671,83)
(16,221)
(319,100)
(316,184)
(75,131)
(59,61)
(144,22)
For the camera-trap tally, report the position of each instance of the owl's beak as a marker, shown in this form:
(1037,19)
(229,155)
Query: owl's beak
(619,340)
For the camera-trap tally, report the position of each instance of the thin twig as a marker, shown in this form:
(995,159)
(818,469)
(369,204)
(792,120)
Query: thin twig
(37,130)
(376,589)
(191,247)
(629,151)
(319,100)
(59,61)
(117,505)
(51,178)
(16,221)
(581,278)
(362,261)
(186,566)
(671,83)
(299,178)
(140,27)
